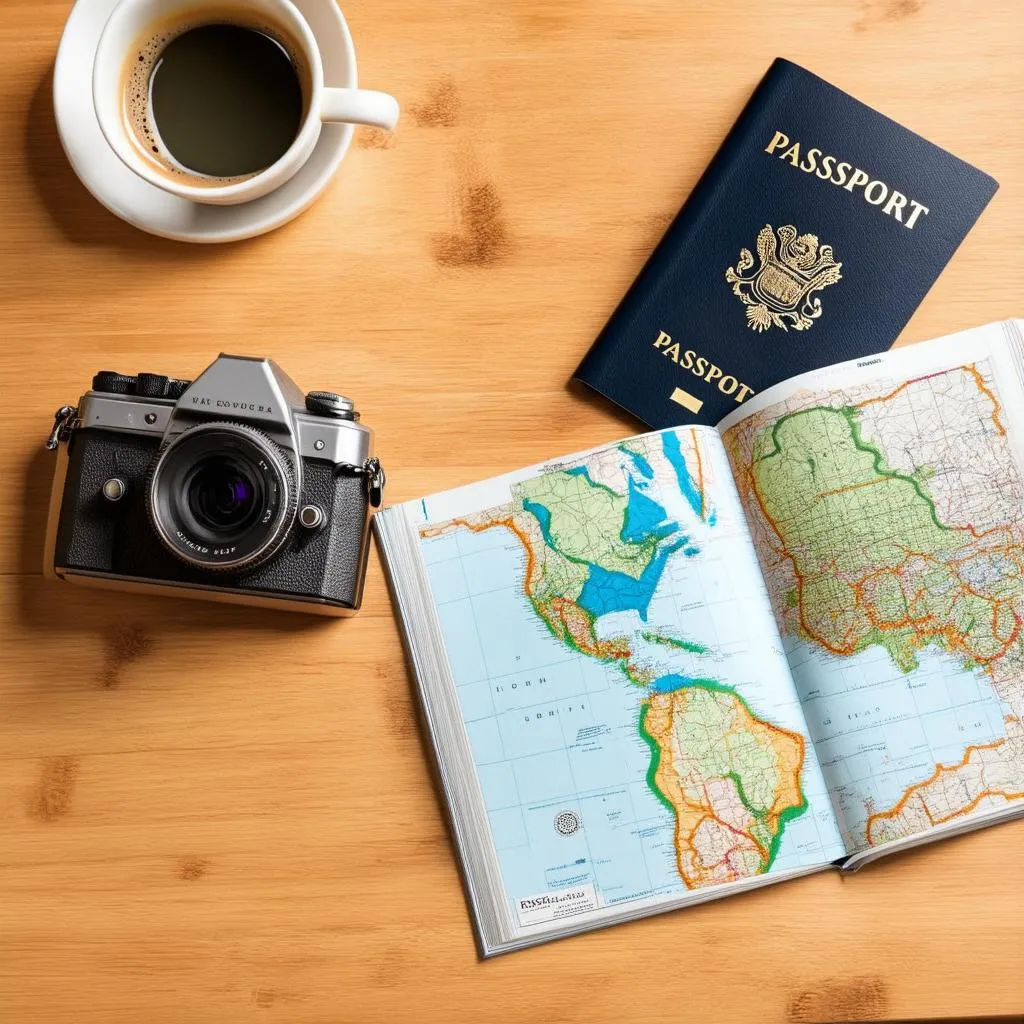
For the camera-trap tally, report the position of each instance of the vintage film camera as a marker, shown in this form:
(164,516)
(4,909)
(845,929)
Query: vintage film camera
(232,487)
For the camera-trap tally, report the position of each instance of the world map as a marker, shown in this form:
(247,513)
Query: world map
(889,519)
(622,682)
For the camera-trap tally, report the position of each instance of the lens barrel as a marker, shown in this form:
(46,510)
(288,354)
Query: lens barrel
(222,496)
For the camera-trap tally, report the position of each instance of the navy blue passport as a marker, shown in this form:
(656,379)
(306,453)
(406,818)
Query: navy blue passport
(810,239)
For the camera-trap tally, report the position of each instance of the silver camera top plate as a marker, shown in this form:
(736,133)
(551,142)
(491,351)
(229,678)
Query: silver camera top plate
(249,390)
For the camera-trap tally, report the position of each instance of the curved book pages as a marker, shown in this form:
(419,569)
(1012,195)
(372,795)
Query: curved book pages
(704,660)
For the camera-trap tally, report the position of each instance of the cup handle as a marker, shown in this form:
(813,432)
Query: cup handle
(359,106)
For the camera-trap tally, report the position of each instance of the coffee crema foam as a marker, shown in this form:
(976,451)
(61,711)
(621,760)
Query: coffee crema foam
(146,54)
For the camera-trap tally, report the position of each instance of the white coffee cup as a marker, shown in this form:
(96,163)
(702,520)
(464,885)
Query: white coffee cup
(342,102)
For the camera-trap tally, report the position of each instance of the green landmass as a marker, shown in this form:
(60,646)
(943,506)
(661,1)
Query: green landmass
(655,762)
(586,522)
(671,641)
(871,555)
(723,738)
(749,763)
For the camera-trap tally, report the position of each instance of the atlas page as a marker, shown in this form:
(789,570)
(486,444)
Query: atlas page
(886,504)
(616,726)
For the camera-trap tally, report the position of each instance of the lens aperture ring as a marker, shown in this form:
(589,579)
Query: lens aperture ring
(264,474)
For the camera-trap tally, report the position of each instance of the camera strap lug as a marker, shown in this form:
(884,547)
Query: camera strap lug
(63,424)
(372,473)
(375,481)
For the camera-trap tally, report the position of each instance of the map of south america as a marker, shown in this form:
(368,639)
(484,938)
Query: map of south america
(597,538)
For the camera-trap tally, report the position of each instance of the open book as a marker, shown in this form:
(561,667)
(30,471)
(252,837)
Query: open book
(703,660)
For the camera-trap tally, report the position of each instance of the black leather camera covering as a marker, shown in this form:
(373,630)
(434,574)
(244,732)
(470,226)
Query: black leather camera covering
(99,536)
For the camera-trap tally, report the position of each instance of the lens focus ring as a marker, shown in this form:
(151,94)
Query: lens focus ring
(222,496)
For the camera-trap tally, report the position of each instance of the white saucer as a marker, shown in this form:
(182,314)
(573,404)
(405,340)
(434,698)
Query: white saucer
(150,208)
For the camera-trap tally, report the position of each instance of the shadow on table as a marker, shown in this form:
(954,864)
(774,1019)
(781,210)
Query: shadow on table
(430,755)
(587,396)
(80,218)
(52,607)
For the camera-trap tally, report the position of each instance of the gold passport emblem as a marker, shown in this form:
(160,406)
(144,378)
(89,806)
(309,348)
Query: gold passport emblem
(781,290)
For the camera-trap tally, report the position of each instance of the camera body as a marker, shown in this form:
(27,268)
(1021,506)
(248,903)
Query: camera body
(233,487)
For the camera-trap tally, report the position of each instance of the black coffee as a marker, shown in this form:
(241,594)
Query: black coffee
(225,100)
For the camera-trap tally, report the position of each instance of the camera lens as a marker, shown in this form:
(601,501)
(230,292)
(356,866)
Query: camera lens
(222,496)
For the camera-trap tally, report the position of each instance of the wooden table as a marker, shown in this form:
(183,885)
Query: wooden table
(214,814)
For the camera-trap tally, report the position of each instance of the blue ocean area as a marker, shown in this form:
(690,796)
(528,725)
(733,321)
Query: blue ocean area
(671,683)
(583,472)
(543,516)
(606,592)
(674,453)
(644,518)
(642,465)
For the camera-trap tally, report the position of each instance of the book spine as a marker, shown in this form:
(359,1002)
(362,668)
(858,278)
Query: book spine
(603,360)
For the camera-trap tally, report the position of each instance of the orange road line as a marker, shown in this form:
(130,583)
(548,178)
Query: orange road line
(940,769)
(892,394)
(979,380)
(850,645)
(482,527)
(854,487)
(700,472)
(972,805)
(970,368)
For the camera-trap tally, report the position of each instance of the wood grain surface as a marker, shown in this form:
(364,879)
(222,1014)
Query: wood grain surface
(214,814)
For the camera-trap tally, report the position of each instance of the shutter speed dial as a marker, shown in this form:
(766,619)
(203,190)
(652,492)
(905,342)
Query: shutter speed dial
(327,403)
